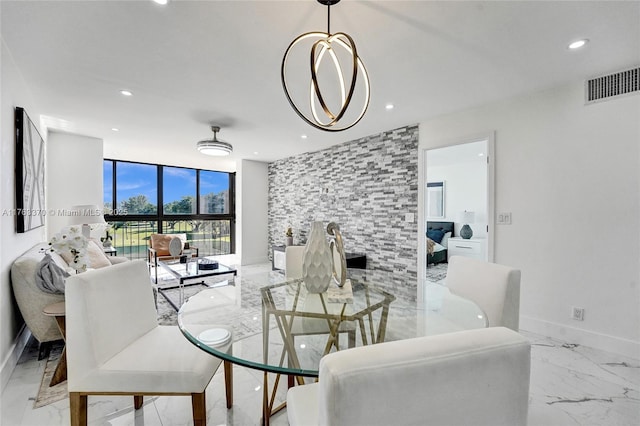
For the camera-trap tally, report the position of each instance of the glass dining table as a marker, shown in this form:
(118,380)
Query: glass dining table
(265,322)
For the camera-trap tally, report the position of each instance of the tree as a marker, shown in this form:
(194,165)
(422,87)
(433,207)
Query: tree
(216,203)
(138,204)
(185,206)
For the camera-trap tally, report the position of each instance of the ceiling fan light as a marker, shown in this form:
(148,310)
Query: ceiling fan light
(214,147)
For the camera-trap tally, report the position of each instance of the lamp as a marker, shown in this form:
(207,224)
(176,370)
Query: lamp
(466,217)
(214,146)
(333,46)
(84,215)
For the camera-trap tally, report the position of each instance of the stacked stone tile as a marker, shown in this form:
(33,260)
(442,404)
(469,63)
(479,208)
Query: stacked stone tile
(366,186)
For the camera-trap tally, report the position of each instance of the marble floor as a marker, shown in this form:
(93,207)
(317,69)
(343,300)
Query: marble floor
(570,385)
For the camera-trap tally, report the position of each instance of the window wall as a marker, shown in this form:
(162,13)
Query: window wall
(141,199)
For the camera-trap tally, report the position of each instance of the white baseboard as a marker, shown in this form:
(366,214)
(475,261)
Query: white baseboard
(605,342)
(11,360)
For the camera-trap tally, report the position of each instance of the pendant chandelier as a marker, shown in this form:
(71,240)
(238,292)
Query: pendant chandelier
(214,146)
(328,110)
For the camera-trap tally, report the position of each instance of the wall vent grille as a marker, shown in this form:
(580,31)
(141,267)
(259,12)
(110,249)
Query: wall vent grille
(612,85)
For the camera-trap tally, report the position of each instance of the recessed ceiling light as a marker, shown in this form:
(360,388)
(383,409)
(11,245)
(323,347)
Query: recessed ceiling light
(578,44)
(389,106)
(481,155)
(162,2)
(115,129)
(255,152)
(126,93)
(303,136)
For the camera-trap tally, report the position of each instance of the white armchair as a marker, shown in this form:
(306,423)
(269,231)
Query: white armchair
(473,377)
(495,288)
(115,345)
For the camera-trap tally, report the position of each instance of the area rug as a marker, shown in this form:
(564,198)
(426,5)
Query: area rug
(437,272)
(167,315)
(48,395)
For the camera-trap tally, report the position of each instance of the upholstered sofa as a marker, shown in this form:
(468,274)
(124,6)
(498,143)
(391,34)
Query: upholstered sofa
(31,299)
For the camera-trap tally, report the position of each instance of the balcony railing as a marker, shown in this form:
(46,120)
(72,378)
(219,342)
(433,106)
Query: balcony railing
(211,237)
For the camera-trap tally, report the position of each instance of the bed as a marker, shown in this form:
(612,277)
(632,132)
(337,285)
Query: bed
(438,234)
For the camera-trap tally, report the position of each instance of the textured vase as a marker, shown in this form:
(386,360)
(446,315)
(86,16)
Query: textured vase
(466,232)
(316,260)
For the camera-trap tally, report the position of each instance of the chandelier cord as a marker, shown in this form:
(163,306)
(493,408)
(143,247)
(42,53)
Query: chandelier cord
(329,18)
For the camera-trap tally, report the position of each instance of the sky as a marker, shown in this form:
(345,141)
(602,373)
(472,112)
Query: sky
(140,179)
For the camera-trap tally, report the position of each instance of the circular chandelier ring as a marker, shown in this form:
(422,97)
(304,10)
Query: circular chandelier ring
(314,80)
(325,43)
(314,87)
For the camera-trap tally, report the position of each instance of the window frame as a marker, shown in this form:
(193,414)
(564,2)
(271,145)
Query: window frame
(160,217)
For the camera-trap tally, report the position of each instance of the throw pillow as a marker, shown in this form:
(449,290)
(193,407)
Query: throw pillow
(67,257)
(435,234)
(97,258)
(445,239)
(430,245)
(50,277)
(175,246)
(59,260)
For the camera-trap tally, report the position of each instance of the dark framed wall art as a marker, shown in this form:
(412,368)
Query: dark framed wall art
(30,208)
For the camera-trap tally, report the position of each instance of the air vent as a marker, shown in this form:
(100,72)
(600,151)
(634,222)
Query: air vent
(612,85)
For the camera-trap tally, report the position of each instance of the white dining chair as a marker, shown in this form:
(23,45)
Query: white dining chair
(472,377)
(494,288)
(116,347)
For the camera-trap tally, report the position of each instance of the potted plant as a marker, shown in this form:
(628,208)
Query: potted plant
(107,240)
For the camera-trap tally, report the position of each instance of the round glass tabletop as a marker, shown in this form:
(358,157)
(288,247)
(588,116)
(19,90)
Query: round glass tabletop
(264,322)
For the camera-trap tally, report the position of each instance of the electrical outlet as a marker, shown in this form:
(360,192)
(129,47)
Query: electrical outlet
(577,313)
(504,218)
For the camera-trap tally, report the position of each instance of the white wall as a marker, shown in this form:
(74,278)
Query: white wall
(570,175)
(13,92)
(465,189)
(252,192)
(74,176)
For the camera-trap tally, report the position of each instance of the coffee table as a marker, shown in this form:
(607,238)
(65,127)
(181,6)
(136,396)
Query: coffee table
(276,326)
(190,270)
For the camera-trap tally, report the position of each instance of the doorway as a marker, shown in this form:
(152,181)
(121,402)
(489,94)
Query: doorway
(457,186)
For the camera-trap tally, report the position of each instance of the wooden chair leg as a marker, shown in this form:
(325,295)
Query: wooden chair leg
(78,409)
(199,408)
(228,382)
(137,401)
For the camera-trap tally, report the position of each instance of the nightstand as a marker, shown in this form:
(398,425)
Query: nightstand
(473,247)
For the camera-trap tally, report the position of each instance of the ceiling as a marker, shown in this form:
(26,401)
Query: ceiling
(192,64)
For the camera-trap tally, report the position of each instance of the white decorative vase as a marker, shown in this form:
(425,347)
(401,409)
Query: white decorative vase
(316,260)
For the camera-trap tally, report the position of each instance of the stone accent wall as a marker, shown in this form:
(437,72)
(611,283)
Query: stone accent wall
(366,186)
